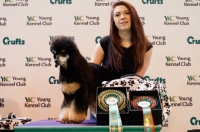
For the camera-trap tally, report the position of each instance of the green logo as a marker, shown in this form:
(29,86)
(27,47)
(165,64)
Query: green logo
(78,18)
(188,0)
(172,98)
(194,121)
(52,38)
(152,1)
(168,18)
(53,80)
(31,18)
(8,1)
(29,99)
(61,1)
(5,79)
(170,58)
(191,40)
(192,78)
(30,59)
(97,40)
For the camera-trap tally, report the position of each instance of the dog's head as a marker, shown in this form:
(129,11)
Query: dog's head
(62,48)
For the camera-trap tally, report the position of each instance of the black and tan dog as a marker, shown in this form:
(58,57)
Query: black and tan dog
(78,78)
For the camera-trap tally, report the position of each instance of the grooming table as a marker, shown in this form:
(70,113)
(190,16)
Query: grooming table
(85,126)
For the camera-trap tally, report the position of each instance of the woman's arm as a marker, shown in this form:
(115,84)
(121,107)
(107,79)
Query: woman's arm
(147,58)
(98,55)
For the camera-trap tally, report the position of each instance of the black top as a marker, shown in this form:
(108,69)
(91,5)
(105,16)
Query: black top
(127,60)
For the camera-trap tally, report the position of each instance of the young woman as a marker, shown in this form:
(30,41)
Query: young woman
(126,50)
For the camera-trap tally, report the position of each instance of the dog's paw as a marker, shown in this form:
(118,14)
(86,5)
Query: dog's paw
(68,122)
(72,116)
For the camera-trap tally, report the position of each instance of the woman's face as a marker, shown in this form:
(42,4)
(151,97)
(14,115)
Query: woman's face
(122,18)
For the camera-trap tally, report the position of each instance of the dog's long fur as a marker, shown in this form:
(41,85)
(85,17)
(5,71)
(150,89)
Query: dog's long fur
(78,78)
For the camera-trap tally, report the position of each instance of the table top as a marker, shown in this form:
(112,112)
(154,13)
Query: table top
(87,125)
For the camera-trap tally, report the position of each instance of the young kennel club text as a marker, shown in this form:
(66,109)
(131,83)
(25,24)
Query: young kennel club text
(12,81)
(37,62)
(35,102)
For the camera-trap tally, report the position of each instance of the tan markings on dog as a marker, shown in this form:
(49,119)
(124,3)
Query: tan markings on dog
(76,116)
(64,114)
(70,88)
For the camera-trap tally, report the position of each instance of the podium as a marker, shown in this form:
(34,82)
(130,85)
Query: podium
(85,126)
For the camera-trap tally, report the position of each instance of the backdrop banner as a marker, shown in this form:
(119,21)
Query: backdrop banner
(29,84)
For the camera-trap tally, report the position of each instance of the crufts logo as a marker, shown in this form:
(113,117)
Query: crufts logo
(152,1)
(193,80)
(194,121)
(97,39)
(17,41)
(53,80)
(61,1)
(178,61)
(192,40)
(158,79)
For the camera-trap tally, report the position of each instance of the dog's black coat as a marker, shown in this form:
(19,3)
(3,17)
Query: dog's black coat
(89,76)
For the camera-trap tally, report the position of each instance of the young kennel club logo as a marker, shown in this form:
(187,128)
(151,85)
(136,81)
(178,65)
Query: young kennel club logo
(1,102)
(36,102)
(178,61)
(86,20)
(12,81)
(176,20)
(37,62)
(193,80)
(157,40)
(191,3)
(103,3)
(61,2)
(142,20)
(15,3)
(152,1)
(178,101)
(17,41)
(3,21)
(39,21)
(192,40)
(2,62)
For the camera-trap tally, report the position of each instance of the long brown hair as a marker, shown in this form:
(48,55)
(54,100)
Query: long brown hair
(138,39)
